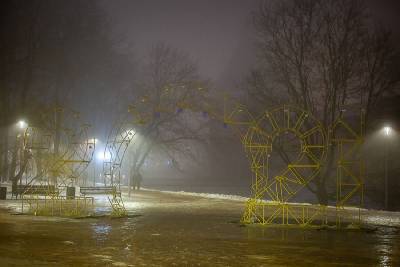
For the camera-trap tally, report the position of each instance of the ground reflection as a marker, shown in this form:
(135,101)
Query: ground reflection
(386,245)
(101,231)
(178,234)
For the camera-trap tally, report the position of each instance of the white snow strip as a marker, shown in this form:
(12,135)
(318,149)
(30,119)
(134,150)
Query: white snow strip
(373,217)
(205,195)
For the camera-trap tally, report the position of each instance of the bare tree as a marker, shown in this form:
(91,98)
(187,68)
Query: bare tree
(322,56)
(50,51)
(165,118)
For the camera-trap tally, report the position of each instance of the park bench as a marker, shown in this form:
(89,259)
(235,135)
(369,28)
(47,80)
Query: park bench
(33,190)
(98,190)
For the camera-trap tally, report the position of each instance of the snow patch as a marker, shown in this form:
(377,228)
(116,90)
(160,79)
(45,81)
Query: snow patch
(205,195)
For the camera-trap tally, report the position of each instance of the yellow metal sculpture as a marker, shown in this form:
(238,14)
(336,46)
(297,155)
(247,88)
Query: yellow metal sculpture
(144,114)
(348,139)
(118,141)
(264,138)
(287,148)
(274,185)
(57,151)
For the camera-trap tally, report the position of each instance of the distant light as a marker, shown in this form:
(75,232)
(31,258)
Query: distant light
(130,133)
(103,156)
(22,124)
(387,130)
(94,140)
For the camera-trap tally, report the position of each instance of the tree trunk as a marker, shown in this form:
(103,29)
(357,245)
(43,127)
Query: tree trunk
(5,168)
(13,165)
(23,164)
(57,135)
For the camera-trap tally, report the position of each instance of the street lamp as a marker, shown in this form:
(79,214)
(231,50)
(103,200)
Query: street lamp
(103,156)
(22,124)
(387,130)
(94,140)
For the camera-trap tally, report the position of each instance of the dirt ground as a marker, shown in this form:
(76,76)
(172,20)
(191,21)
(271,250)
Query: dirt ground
(166,229)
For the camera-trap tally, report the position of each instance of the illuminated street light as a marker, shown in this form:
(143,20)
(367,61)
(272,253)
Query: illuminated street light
(387,130)
(103,156)
(22,124)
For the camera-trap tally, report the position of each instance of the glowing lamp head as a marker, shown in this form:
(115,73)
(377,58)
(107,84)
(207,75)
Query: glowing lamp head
(387,130)
(22,124)
(103,156)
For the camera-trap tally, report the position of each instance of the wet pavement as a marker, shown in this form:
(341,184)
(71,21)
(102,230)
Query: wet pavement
(180,230)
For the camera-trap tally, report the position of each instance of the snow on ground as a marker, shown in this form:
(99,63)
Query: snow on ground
(205,195)
(228,197)
(372,217)
(377,217)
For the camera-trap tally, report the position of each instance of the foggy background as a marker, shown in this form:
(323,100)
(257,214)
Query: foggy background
(219,36)
(90,55)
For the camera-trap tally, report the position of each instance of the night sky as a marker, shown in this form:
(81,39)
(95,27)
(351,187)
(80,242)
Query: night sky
(217,34)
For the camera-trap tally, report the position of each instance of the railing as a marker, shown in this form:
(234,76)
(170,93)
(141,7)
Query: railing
(58,205)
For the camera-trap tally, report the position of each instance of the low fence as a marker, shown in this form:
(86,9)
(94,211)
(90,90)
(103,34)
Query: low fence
(57,206)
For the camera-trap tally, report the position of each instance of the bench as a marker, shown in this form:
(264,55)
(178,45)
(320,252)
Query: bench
(98,190)
(33,190)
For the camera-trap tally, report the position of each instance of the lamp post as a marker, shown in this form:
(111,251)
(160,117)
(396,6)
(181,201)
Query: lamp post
(387,131)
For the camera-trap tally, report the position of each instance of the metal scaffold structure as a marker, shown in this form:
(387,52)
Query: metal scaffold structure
(117,143)
(348,139)
(287,148)
(120,137)
(56,152)
(272,189)
(147,112)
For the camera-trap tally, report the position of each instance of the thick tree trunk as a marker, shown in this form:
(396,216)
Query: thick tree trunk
(23,164)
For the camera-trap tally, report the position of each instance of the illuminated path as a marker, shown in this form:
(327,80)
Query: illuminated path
(182,229)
